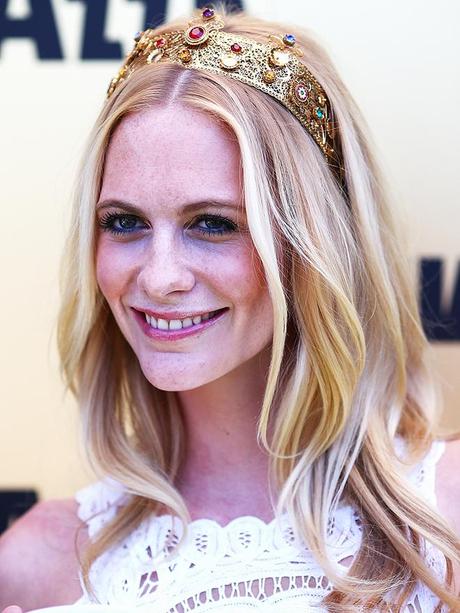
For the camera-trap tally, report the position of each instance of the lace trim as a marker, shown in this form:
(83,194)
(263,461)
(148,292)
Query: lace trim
(98,503)
(271,565)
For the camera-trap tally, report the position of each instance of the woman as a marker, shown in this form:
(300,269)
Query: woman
(240,330)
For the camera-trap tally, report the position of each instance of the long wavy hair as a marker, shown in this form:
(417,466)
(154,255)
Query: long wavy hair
(348,372)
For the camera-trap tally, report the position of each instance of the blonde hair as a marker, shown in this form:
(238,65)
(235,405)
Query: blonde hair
(348,372)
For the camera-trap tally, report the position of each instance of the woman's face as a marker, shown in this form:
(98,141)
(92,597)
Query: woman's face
(173,248)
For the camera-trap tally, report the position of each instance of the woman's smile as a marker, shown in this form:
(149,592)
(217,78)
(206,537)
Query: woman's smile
(164,329)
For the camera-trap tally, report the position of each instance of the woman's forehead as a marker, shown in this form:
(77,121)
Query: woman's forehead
(174,155)
(178,126)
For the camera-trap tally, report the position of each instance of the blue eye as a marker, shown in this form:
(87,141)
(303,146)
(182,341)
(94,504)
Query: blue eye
(117,223)
(126,223)
(215,224)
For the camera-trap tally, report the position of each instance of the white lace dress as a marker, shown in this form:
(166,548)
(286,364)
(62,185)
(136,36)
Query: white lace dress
(245,566)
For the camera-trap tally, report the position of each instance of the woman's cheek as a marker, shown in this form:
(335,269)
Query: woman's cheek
(110,272)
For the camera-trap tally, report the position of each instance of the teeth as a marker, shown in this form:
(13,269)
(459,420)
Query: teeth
(176,324)
(163,324)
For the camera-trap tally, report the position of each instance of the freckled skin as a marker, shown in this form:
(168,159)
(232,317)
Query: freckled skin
(159,160)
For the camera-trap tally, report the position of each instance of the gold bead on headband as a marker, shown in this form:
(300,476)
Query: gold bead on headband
(273,67)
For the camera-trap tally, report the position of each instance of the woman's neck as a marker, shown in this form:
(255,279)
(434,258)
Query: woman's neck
(225,471)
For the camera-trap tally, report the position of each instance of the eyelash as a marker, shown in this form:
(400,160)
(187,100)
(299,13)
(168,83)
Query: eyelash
(107,224)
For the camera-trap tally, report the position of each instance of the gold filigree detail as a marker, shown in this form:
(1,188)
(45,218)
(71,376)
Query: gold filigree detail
(273,67)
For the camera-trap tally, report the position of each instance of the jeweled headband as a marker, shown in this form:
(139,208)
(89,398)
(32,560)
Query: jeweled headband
(273,67)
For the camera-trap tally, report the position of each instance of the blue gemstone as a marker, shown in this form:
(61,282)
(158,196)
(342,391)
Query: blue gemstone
(319,113)
(289,39)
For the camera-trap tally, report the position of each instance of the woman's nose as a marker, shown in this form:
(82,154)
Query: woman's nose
(166,268)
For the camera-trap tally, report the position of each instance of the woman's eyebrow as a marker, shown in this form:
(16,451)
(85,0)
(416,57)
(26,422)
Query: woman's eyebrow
(186,208)
(193,206)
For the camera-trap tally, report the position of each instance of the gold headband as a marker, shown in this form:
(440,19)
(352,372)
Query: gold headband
(272,67)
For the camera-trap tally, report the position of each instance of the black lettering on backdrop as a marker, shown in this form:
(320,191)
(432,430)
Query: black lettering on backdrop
(39,26)
(13,504)
(94,44)
(440,324)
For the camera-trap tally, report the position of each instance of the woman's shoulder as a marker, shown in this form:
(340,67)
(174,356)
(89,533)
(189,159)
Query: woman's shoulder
(448,483)
(38,556)
(448,490)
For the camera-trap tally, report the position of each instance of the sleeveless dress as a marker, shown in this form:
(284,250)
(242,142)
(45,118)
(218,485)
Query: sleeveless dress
(244,567)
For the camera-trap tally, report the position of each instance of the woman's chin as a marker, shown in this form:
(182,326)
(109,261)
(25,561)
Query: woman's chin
(172,383)
(170,386)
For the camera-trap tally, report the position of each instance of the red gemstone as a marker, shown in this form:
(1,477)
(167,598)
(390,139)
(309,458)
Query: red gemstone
(161,42)
(236,48)
(196,33)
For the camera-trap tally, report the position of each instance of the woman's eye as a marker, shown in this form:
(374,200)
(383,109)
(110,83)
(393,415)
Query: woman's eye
(126,223)
(117,223)
(214,225)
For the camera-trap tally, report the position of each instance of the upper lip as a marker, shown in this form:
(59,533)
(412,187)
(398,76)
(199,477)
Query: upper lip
(174,314)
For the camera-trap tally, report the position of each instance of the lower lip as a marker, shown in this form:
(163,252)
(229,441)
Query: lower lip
(175,335)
